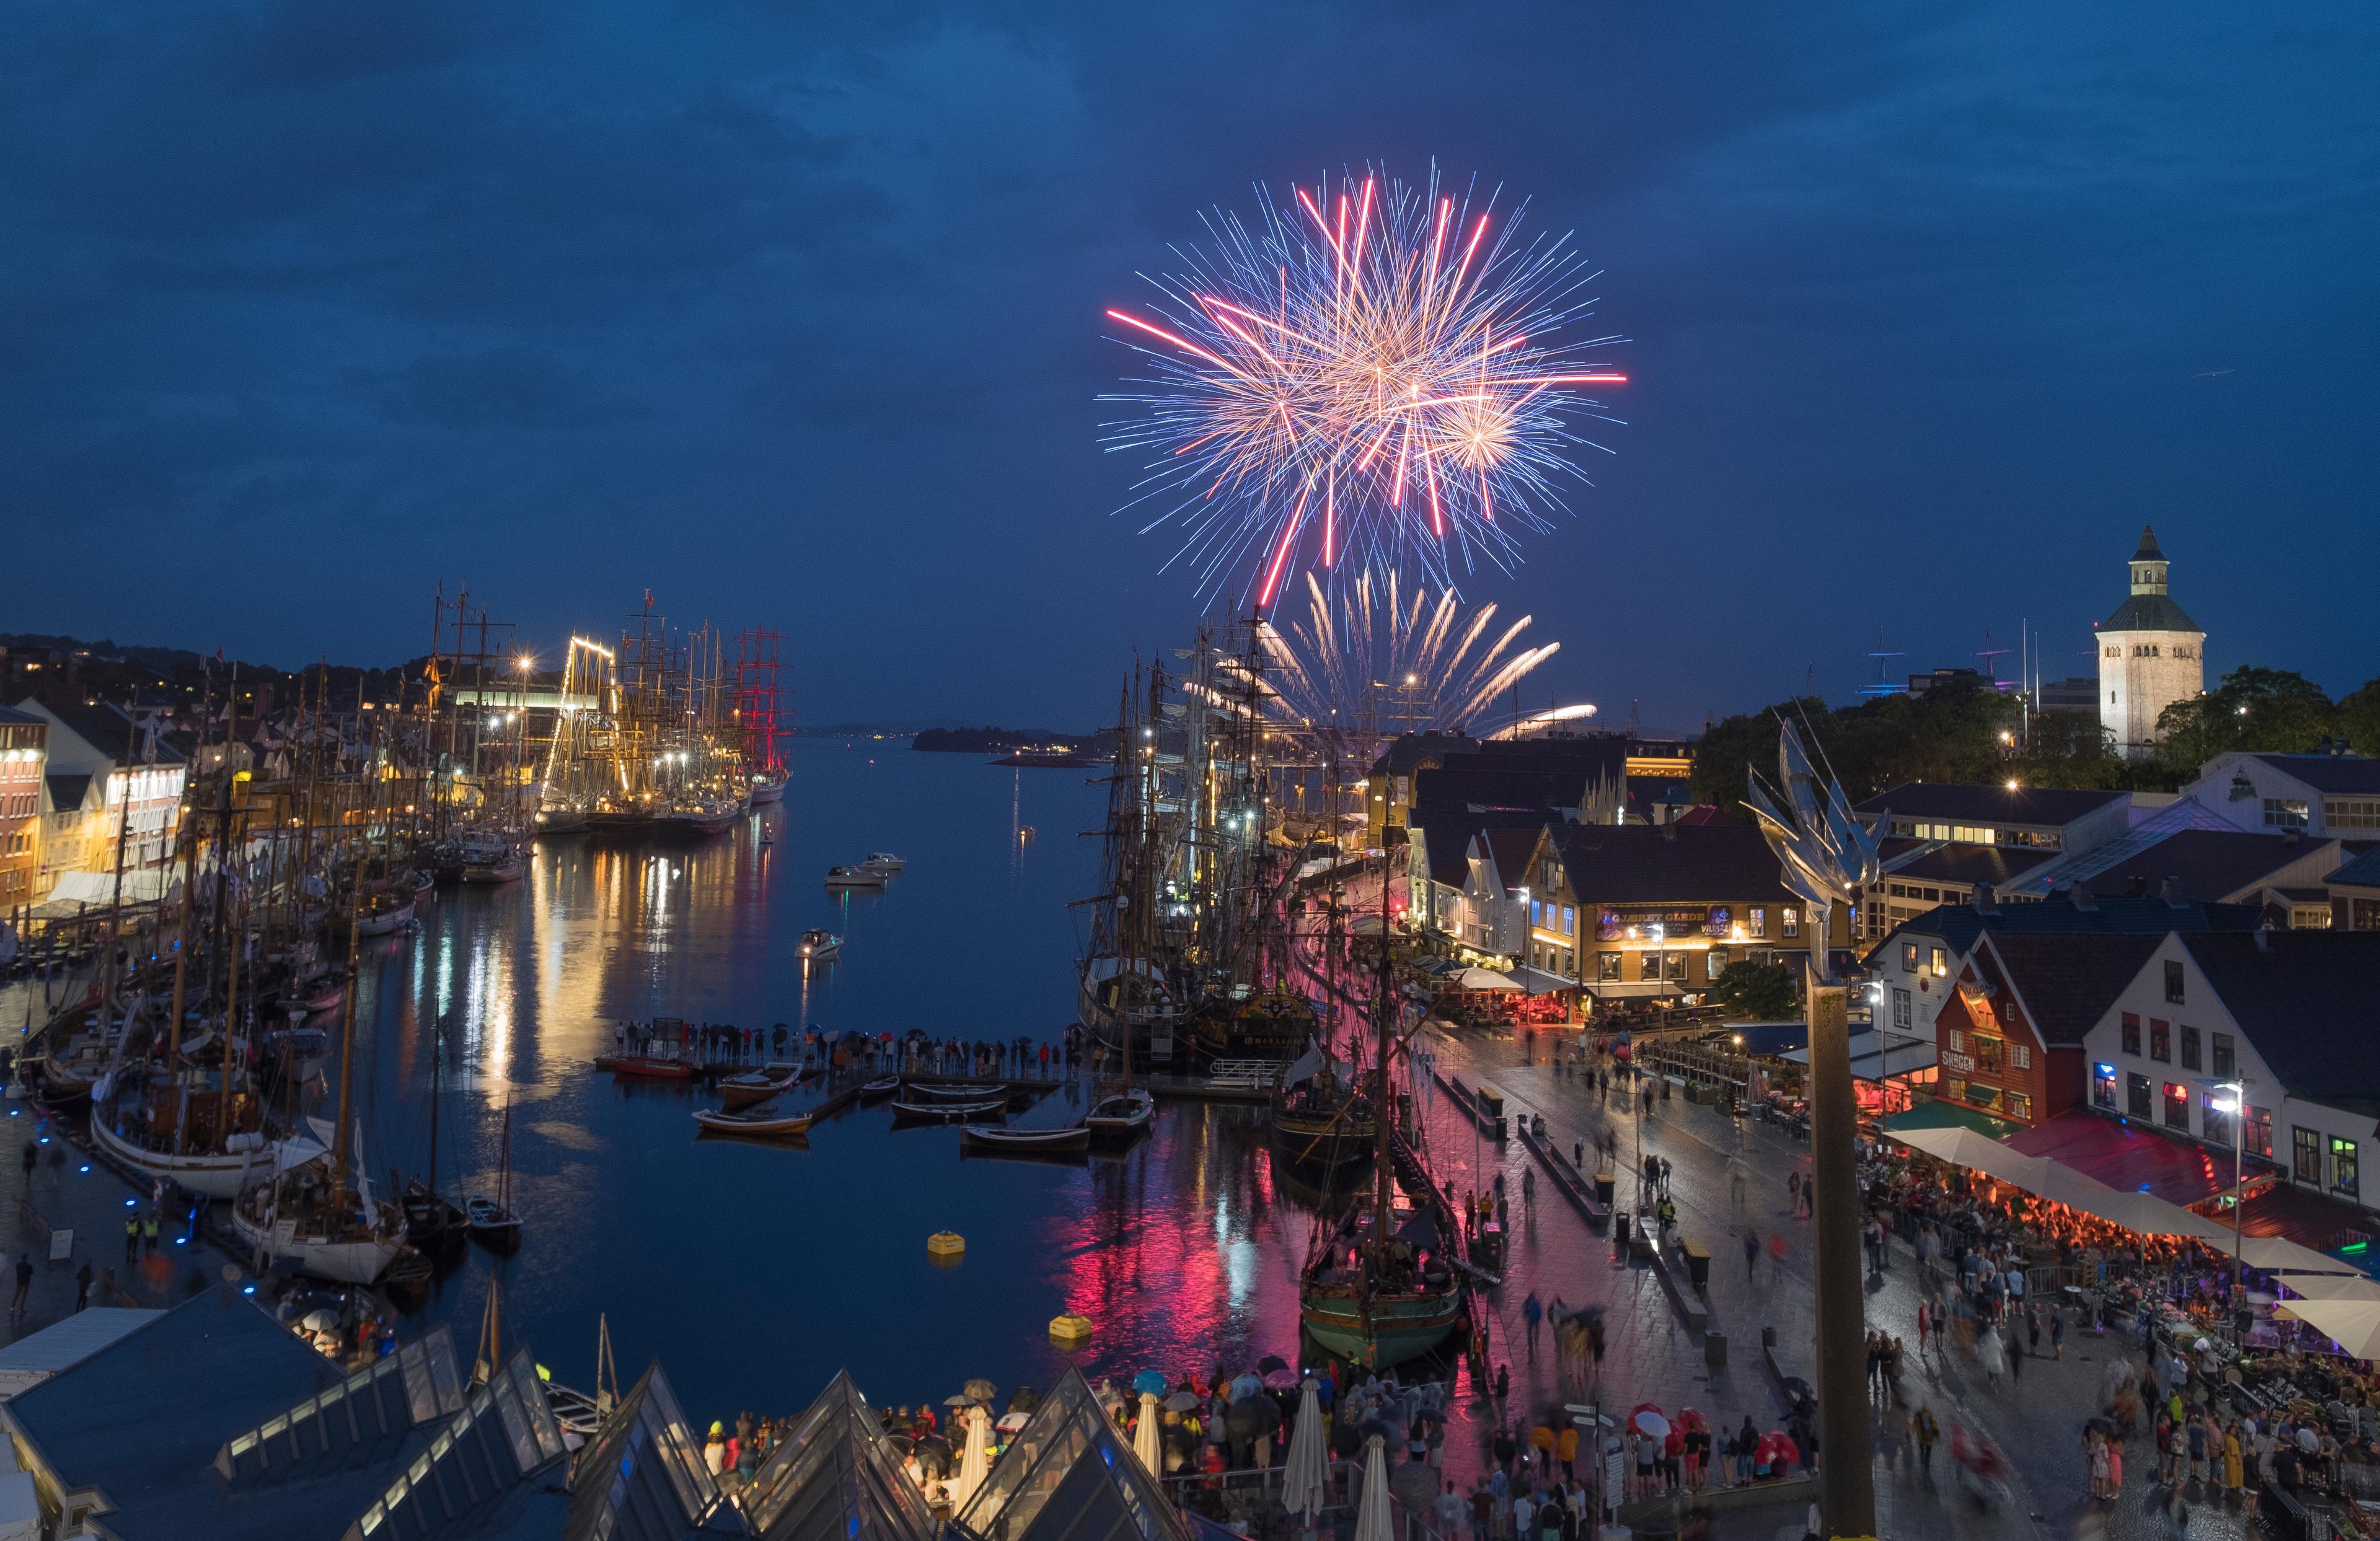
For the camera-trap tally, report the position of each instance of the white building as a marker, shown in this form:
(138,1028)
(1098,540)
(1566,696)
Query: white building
(2291,1013)
(2151,655)
(2334,795)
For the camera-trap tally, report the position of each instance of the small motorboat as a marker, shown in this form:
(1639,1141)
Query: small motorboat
(879,1088)
(1122,1114)
(930,1093)
(821,946)
(751,1088)
(646,1067)
(768,839)
(885,862)
(771,1122)
(947,1113)
(995,1137)
(854,876)
(492,1224)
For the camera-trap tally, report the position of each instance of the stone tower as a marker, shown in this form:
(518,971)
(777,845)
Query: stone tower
(2151,655)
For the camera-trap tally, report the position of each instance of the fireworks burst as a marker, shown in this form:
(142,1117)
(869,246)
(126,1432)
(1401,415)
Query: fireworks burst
(1377,373)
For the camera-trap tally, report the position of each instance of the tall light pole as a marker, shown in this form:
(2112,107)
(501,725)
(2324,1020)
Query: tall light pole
(1827,856)
(2236,1108)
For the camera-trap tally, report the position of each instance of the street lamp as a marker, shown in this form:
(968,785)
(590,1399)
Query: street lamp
(2235,1106)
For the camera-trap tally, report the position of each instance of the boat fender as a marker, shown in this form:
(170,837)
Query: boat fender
(945,1244)
(1070,1329)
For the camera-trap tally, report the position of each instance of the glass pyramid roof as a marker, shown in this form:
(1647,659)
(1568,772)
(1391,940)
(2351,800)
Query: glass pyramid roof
(836,1478)
(1069,1477)
(643,1478)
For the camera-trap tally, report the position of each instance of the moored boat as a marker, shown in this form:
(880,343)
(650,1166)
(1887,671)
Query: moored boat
(948,1112)
(885,862)
(1120,1115)
(854,876)
(752,1087)
(993,1136)
(930,1092)
(821,946)
(879,1088)
(769,1121)
(768,786)
(650,1067)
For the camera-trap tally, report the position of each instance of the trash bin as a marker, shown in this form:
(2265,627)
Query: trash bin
(1697,1264)
(1603,1186)
(1714,1349)
(1767,1337)
(1619,1227)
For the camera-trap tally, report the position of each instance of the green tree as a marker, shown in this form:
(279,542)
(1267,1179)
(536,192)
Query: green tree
(2072,750)
(2359,718)
(2251,709)
(1755,993)
(1734,744)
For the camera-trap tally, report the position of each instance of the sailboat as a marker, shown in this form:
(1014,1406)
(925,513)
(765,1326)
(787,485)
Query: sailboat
(1320,1123)
(1378,1287)
(1123,988)
(430,1222)
(493,1224)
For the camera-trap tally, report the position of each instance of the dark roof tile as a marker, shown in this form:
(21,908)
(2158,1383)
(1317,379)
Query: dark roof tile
(2306,1000)
(1988,805)
(1693,863)
(2067,982)
(2335,773)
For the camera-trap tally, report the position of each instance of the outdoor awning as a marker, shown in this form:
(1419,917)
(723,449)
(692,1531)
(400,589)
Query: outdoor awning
(1937,1114)
(2286,1212)
(2126,1156)
(1615,990)
(1872,1062)
(1484,978)
(1536,981)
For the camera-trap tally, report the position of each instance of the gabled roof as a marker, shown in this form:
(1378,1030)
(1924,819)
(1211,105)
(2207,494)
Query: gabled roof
(1681,864)
(19,719)
(67,790)
(1446,837)
(1068,1476)
(643,1478)
(1512,847)
(1415,748)
(1993,866)
(2210,864)
(2065,983)
(836,1478)
(1959,926)
(109,729)
(2362,873)
(1988,805)
(2306,1000)
(2346,774)
(1474,786)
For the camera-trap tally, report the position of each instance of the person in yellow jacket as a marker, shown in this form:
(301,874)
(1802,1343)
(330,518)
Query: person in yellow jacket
(1566,1452)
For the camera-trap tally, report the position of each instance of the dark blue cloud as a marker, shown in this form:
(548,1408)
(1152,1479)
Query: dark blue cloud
(792,313)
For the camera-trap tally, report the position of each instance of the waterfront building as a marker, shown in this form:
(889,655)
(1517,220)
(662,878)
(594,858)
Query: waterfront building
(108,778)
(2328,793)
(2151,655)
(1598,778)
(24,758)
(2291,1016)
(1638,911)
(1911,970)
(1457,864)
(2041,818)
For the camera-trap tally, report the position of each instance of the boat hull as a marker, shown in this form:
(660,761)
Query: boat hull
(355,1262)
(1401,1328)
(1322,1144)
(386,922)
(214,1174)
(985,1136)
(766,790)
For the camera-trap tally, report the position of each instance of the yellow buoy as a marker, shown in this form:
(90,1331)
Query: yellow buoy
(1070,1329)
(945,1244)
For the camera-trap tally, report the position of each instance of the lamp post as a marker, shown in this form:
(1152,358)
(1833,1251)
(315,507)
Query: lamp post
(1827,856)
(2236,1110)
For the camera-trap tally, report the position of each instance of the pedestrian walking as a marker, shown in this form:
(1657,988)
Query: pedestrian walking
(1928,1429)
(82,1285)
(149,1223)
(2057,1332)
(1793,1192)
(1529,1190)
(1751,1257)
(132,1235)
(1531,1314)
(24,1284)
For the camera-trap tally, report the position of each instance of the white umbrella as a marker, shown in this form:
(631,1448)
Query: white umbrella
(2354,1325)
(2330,1286)
(2148,1215)
(1372,1513)
(2283,1256)
(1305,1478)
(1144,1437)
(319,1322)
(1486,978)
(974,1461)
(1652,1424)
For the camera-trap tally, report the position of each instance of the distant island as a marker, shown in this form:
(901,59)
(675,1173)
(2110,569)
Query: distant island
(994,741)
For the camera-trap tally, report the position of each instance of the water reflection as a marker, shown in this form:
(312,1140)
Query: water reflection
(756,1270)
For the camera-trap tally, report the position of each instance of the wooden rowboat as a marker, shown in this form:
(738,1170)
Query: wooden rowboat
(993,1136)
(757,1120)
(947,1111)
(969,1093)
(882,1086)
(647,1068)
(751,1089)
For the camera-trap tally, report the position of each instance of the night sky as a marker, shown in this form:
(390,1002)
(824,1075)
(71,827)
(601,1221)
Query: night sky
(793,314)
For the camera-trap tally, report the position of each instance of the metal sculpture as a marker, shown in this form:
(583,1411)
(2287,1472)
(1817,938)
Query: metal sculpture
(1828,856)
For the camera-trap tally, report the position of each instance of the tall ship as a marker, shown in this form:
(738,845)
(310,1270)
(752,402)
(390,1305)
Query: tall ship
(1130,985)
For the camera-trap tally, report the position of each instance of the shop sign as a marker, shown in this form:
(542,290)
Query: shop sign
(1959,1062)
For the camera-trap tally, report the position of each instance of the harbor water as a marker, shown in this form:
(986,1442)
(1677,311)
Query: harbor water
(753,1273)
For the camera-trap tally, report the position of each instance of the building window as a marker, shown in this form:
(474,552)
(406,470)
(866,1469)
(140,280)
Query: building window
(2363,915)
(1758,920)
(1988,1054)
(1648,967)
(1606,967)
(2342,1166)
(1569,920)
(1716,964)
(2225,1057)
(1941,964)
(1955,1090)
(2189,1047)
(2259,1132)
(1957,1041)
(2173,981)
(1677,962)
(2136,1095)
(1537,912)
(2306,1146)
(2018,1107)
(2213,1123)
(2132,1034)
(2103,1087)
(2160,1041)
(2344,813)
(1791,918)
(2020,1056)
(2177,1105)
(1909,957)
(2286,813)
(1901,1008)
